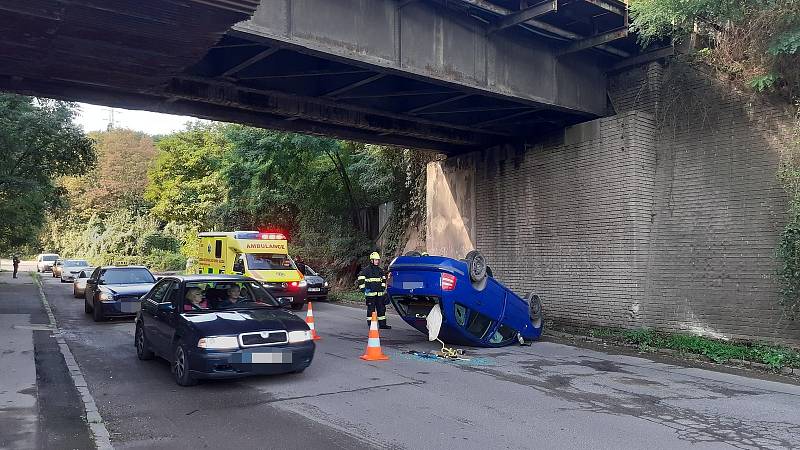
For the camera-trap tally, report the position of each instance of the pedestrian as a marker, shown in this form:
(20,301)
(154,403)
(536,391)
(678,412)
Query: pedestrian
(372,281)
(16,265)
(301,266)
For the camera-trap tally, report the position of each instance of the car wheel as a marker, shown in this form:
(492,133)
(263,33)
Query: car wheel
(62,280)
(535,311)
(180,367)
(97,312)
(142,347)
(476,263)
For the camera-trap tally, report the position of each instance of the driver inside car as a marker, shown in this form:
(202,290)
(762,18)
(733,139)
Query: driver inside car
(194,300)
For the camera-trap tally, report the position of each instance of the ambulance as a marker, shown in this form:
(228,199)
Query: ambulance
(263,256)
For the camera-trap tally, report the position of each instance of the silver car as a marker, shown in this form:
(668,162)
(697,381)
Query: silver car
(71,268)
(79,285)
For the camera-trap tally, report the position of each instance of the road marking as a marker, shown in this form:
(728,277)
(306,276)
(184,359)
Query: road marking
(102,440)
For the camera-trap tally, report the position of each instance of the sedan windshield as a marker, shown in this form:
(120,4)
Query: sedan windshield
(226,295)
(76,263)
(49,257)
(133,275)
(269,261)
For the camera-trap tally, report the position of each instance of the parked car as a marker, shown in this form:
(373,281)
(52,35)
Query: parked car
(70,269)
(476,308)
(45,261)
(115,291)
(317,286)
(79,285)
(56,269)
(214,338)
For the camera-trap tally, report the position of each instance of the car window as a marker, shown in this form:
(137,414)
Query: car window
(503,334)
(76,263)
(160,291)
(49,257)
(478,324)
(129,275)
(461,314)
(226,295)
(269,261)
(311,272)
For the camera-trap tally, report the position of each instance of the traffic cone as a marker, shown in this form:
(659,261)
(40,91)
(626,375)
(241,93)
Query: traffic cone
(310,322)
(374,352)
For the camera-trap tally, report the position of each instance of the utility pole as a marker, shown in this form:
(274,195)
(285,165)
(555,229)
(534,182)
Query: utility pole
(111,123)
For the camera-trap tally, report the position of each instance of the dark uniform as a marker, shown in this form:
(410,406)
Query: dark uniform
(372,281)
(16,265)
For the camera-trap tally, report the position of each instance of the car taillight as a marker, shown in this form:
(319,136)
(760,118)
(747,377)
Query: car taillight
(448,282)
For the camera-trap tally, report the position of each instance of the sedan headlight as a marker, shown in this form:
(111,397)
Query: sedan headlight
(299,336)
(219,343)
(303,283)
(105,297)
(326,284)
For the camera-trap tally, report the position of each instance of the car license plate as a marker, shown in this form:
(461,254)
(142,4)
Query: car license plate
(313,289)
(266,358)
(413,284)
(129,307)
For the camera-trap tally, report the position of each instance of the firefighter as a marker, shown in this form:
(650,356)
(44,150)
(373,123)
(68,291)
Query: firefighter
(372,281)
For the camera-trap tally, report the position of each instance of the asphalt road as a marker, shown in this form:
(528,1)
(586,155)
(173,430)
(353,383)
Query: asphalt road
(548,395)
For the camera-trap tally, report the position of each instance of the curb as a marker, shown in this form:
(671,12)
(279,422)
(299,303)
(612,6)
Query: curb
(102,439)
(734,363)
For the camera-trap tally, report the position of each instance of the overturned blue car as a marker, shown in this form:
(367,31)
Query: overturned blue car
(476,309)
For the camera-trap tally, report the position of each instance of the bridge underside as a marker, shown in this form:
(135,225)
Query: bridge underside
(188,57)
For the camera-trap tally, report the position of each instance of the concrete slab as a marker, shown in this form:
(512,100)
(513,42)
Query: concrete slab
(18,413)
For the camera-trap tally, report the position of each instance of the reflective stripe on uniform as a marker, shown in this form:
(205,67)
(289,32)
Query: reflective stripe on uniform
(361,277)
(374,280)
(373,294)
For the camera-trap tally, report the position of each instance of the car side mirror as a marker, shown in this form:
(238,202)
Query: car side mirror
(165,307)
(284,302)
(238,267)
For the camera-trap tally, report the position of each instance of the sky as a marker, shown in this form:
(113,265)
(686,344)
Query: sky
(96,118)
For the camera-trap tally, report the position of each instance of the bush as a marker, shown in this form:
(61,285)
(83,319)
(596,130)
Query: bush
(161,260)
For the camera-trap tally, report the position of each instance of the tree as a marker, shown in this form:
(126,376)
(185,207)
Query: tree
(124,158)
(38,143)
(756,41)
(185,185)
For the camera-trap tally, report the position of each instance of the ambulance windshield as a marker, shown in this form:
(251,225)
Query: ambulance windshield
(269,261)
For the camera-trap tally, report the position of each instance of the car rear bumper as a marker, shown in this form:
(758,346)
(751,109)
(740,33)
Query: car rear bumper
(321,293)
(252,361)
(120,308)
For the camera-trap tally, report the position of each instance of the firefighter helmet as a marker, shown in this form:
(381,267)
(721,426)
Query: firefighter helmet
(374,255)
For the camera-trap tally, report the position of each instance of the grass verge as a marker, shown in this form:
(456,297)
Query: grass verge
(775,357)
(345,296)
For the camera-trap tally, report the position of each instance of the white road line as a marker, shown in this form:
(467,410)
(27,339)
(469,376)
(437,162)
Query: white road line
(102,439)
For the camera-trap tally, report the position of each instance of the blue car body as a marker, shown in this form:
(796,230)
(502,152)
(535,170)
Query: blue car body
(483,314)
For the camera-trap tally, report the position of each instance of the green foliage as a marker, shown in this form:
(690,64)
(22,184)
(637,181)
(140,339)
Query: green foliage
(720,351)
(787,43)
(185,183)
(764,83)
(38,143)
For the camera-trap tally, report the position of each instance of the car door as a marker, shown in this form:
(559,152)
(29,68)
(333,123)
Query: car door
(91,286)
(153,312)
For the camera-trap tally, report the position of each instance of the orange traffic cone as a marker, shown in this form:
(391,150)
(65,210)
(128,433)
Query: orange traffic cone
(374,352)
(310,322)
